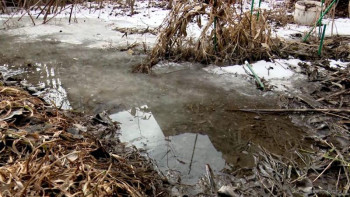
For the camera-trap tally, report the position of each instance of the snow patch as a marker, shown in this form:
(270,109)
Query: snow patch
(277,73)
(338,64)
(341,27)
(279,69)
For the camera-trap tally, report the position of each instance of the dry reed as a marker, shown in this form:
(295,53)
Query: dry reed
(38,157)
(235,38)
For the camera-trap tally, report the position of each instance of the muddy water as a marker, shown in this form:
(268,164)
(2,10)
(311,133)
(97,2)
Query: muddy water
(178,114)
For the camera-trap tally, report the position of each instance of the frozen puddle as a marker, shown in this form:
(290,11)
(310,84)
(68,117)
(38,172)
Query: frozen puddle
(183,156)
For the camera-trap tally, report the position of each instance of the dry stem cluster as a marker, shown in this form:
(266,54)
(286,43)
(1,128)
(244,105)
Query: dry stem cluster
(38,157)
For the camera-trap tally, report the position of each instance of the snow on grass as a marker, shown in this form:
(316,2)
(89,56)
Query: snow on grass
(338,64)
(268,70)
(277,73)
(341,27)
(288,31)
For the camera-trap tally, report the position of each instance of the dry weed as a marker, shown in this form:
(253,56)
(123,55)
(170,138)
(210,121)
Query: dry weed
(38,157)
(227,36)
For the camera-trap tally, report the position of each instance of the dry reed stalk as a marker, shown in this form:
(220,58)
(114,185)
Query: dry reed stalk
(55,7)
(239,36)
(52,162)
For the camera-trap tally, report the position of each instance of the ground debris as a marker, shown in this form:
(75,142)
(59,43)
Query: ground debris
(130,31)
(62,157)
(336,47)
(273,175)
(328,163)
(322,168)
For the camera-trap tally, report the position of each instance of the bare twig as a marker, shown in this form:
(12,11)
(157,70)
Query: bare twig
(289,110)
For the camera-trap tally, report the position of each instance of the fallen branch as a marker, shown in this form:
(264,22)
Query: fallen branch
(290,110)
(335,94)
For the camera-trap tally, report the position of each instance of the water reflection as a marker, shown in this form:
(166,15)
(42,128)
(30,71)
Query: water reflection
(185,155)
(54,93)
(41,79)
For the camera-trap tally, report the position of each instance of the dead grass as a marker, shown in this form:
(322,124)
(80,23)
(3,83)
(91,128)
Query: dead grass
(227,36)
(38,157)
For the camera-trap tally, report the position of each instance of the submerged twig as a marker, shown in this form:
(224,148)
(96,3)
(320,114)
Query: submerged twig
(289,110)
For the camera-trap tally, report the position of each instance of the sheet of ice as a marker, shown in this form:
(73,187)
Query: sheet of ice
(92,32)
(92,27)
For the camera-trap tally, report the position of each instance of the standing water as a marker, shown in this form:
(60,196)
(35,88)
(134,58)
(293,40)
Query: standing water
(177,115)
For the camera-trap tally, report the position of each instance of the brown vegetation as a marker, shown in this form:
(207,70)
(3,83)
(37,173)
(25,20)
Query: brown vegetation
(226,37)
(48,152)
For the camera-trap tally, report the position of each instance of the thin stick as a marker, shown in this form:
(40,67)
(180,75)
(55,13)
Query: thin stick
(55,15)
(333,15)
(292,110)
(322,38)
(42,10)
(48,11)
(336,185)
(28,11)
(329,165)
(329,96)
(319,29)
(70,14)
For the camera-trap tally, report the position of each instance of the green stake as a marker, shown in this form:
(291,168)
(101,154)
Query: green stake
(257,16)
(319,20)
(319,29)
(251,9)
(322,38)
(256,76)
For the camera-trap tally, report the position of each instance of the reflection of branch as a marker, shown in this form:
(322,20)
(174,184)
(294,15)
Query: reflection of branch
(136,115)
(194,148)
(169,150)
(167,158)
(138,122)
